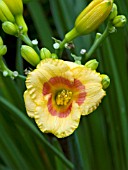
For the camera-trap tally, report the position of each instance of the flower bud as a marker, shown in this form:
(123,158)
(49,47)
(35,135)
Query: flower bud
(15,6)
(2,17)
(114,12)
(92,64)
(6,12)
(1,41)
(45,53)
(21,23)
(10,28)
(29,54)
(105,81)
(3,50)
(119,21)
(54,56)
(90,18)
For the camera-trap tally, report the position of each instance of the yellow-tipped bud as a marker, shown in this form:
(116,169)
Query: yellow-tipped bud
(105,81)
(45,53)
(21,23)
(10,28)
(3,50)
(6,12)
(15,6)
(90,18)
(119,21)
(29,54)
(114,12)
(92,64)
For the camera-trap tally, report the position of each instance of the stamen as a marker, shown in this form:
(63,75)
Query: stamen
(63,97)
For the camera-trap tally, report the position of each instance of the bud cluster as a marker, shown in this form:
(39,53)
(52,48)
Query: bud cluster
(11,14)
(117,20)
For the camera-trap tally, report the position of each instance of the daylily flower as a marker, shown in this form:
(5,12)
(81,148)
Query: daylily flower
(59,92)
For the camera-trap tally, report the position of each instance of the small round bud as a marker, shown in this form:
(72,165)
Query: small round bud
(119,21)
(105,81)
(35,42)
(3,50)
(114,12)
(92,64)
(112,29)
(10,28)
(15,73)
(29,54)
(54,56)
(45,53)
(82,51)
(5,73)
(56,46)
(98,35)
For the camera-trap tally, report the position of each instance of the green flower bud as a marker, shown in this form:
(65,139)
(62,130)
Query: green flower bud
(15,6)
(54,56)
(45,53)
(114,12)
(2,17)
(29,54)
(21,23)
(10,28)
(3,50)
(1,41)
(119,21)
(90,18)
(105,81)
(6,12)
(92,64)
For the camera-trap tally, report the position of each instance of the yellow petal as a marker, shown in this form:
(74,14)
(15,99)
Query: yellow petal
(29,104)
(93,87)
(59,126)
(46,69)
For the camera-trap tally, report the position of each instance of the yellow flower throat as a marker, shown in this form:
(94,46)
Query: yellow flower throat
(63,97)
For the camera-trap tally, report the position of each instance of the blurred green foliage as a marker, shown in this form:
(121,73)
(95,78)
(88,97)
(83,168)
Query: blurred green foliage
(103,135)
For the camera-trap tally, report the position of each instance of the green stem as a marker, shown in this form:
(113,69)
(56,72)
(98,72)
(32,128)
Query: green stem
(71,149)
(27,40)
(97,43)
(10,73)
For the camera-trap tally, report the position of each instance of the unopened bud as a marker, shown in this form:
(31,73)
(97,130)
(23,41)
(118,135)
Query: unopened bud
(10,28)
(119,21)
(15,6)
(21,23)
(2,17)
(3,50)
(29,54)
(114,12)
(105,81)
(45,53)
(90,18)
(92,64)
(54,56)
(6,11)
(1,41)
